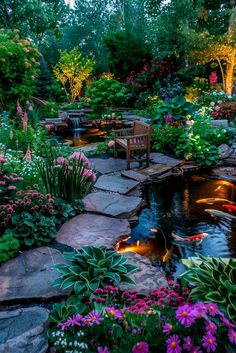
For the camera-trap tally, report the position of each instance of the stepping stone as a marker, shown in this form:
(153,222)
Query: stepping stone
(91,229)
(161,158)
(24,330)
(147,277)
(110,165)
(115,184)
(155,170)
(114,205)
(30,275)
(131,174)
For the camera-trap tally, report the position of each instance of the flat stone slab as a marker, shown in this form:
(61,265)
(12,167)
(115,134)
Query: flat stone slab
(131,174)
(161,158)
(30,275)
(115,184)
(24,330)
(146,278)
(110,165)
(155,170)
(91,229)
(114,205)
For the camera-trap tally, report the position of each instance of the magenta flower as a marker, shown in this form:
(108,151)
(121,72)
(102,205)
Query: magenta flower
(212,309)
(187,344)
(25,121)
(186,315)
(115,312)
(92,318)
(61,160)
(226,321)
(167,328)
(211,327)
(169,119)
(31,108)
(201,309)
(103,350)
(2,159)
(140,347)
(173,344)
(209,342)
(196,350)
(232,336)
(111,144)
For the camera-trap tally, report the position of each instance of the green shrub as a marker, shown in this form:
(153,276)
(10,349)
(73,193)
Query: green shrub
(91,268)
(177,108)
(33,228)
(9,246)
(104,93)
(214,280)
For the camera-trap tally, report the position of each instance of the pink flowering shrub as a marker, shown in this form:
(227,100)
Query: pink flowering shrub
(165,321)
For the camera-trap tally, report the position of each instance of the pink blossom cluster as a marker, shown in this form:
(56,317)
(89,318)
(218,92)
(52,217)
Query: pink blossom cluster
(213,78)
(217,107)
(145,77)
(7,184)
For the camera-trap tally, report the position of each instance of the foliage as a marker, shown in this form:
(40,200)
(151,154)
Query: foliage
(214,96)
(19,67)
(8,246)
(44,81)
(51,110)
(104,93)
(67,178)
(213,280)
(115,322)
(177,108)
(33,228)
(171,87)
(72,71)
(90,268)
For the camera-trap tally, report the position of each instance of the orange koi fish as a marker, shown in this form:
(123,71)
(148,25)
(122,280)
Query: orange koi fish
(230,208)
(196,237)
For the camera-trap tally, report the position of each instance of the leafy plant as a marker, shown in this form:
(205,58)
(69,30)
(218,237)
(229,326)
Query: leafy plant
(104,93)
(213,280)
(90,268)
(9,246)
(33,228)
(71,71)
(178,108)
(67,178)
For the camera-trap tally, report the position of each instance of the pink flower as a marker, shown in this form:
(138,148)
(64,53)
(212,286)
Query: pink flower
(89,173)
(169,119)
(25,121)
(217,108)
(31,108)
(213,77)
(79,156)
(2,182)
(18,109)
(140,347)
(2,159)
(111,144)
(11,187)
(220,102)
(212,104)
(49,127)
(145,67)
(27,156)
(61,160)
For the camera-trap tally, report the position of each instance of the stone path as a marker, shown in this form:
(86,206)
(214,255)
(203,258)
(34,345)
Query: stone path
(114,205)
(110,165)
(115,184)
(24,331)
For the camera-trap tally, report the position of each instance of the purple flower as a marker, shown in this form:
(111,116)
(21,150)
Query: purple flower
(169,119)
(140,347)
(167,328)
(232,336)
(186,315)
(75,320)
(226,321)
(188,343)
(173,344)
(92,318)
(201,309)
(115,312)
(211,327)
(209,342)
(195,350)
(103,350)
(212,309)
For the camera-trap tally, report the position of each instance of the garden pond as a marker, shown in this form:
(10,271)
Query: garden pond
(82,136)
(179,206)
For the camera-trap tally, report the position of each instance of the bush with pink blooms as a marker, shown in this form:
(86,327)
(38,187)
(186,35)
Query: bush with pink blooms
(165,321)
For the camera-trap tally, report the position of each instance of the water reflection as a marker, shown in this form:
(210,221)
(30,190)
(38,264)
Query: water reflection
(82,136)
(172,207)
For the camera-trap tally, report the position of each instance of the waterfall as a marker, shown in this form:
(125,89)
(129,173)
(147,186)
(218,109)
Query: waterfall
(75,121)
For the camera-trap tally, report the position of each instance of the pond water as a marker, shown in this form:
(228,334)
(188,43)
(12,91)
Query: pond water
(83,136)
(179,207)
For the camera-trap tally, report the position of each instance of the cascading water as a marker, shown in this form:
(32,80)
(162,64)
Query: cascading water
(75,121)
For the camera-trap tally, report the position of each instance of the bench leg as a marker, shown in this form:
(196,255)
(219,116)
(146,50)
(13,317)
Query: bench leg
(115,150)
(128,158)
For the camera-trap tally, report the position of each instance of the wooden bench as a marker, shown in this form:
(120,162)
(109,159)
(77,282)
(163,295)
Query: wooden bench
(134,140)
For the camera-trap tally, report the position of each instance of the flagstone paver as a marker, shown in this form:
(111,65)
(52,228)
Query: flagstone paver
(114,205)
(24,330)
(92,229)
(30,276)
(161,158)
(115,184)
(132,174)
(110,165)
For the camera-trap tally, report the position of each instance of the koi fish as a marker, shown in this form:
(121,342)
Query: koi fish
(230,208)
(212,200)
(220,214)
(196,237)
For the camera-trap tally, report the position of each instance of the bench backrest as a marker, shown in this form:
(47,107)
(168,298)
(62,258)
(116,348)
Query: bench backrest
(141,128)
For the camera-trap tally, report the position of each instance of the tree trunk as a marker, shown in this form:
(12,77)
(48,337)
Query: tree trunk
(229,78)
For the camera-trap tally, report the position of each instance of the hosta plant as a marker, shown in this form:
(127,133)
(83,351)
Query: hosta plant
(213,280)
(8,247)
(90,268)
